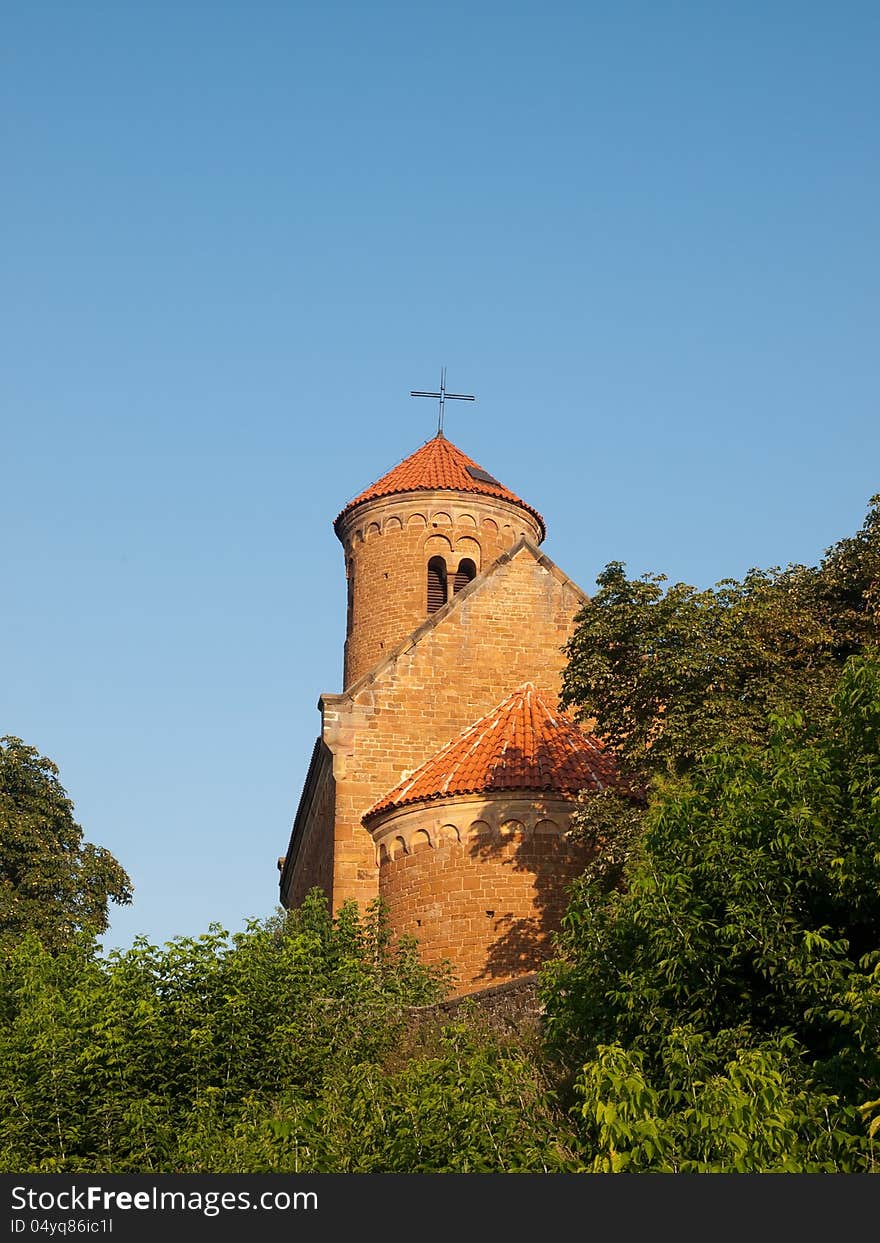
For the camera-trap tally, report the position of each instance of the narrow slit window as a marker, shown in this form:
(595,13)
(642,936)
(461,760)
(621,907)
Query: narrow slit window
(436,584)
(465,574)
(350,592)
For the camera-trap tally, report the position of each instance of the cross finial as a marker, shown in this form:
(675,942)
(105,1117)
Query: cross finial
(443,396)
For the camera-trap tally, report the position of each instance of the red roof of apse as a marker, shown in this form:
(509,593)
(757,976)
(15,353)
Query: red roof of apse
(522,744)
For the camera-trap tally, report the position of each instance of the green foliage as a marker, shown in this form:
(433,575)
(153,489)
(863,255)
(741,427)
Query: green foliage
(285,1048)
(751,915)
(753,1114)
(475,1105)
(114,1064)
(715,1005)
(611,825)
(667,674)
(52,884)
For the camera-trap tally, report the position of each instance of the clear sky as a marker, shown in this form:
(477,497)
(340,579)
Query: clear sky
(235,235)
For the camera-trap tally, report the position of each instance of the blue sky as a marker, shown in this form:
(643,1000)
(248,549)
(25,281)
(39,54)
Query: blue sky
(236,235)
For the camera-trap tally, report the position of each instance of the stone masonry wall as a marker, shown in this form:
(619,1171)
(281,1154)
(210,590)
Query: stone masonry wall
(313,835)
(479,881)
(388,544)
(511,1007)
(502,630)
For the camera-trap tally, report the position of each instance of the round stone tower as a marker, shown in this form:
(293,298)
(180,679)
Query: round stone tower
(415,538)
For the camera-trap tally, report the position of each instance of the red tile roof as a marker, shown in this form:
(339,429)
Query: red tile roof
(523,744)
(437,465)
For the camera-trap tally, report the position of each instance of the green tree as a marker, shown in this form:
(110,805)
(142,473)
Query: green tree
(755,1112)
(462,1099)
(750,918)
(120,1064)
(667,673)
(52,883)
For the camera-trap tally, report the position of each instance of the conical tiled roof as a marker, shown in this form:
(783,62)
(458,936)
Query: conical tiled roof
(438,465)
(523,744)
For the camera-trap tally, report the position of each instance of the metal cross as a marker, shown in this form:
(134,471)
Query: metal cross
(443,395)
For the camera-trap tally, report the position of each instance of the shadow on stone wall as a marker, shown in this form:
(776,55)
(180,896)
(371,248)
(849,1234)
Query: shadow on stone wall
(523,943)
(512,1007)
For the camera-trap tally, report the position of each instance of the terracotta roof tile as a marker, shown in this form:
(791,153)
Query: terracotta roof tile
(523,744)
(438,465)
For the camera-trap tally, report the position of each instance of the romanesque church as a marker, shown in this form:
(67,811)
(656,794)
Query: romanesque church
(444,776)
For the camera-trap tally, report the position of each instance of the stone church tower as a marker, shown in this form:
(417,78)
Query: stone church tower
(444,777)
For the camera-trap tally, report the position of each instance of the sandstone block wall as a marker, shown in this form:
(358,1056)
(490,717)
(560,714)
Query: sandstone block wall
(504,629)
(388,544)
(310,857)
(480,882)
(514,1006)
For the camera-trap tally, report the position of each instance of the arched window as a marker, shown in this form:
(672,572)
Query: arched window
(436,584)
(465,574)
